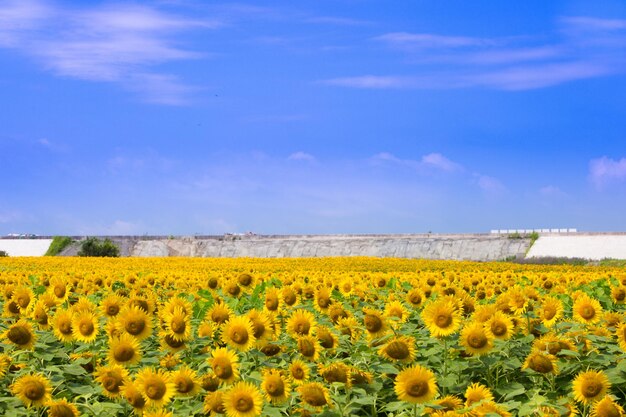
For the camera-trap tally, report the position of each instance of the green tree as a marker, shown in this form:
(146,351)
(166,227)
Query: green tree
(95,247)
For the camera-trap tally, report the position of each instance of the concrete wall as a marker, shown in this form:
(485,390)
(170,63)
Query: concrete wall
(587,246)
(25,247)
(457,247)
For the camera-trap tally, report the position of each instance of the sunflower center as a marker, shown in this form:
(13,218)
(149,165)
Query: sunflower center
(123,353)
(233,290)
(111,383)
(212,283)
(303,327)
(136,400)
(222,368)
(314,396)
(549,312)
(219,316)
(541,364)
(443,320)
(587,312)
(23,301)
(397,350)
(173,343)
(156,389)
(271,303)
(258,329)
(59,291)
(290,298)
(323,302)
(19,335)
(113,309)
(184,385)
(35,390)
(178,325)
(306,348)
(14,308)
(210,384)
(65,327)
(239,335)
(275,386)
(477,340)
(326,339)
(415,298)
(591,389)
(336,374)
(609,410)
(498,328)
(244,404)
(417,388)
(372,323)
(298,373)
(142,304)
(86,328)
(61,410)
(135,326)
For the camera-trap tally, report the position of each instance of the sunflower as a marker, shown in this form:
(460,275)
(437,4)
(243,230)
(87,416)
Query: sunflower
(11,309)
(262,328)
(441,318)
(475,339)
(214,403)
(177,323)
(177,302)
(206,329)
(375,323)
(620,332)
(360,377)
(134,321)
(275,386)
(415,385)
(272,299)
(484,312)
(396,311)
(169,343)
(301,323)
(225,364)
(607,407)
(39,315)
(590,386)
(551,311)
(186,382)
(83,305)
(32,390)
(314,394)
(22,297)
(309,347)
(415,297)
(85,326)
(399,349)
(327,339)
(62,408)
(499,326)
(336,372)
(243,400)
(58,288)
(238,333)
(219,313)
(124,350)
(111,377)
(587,310)
(5,362)
(21,334)
(449,403)
(289,295)
(518,301)
(322,299)
(156,387)
(133,396)
(477,392)
(210,382)
(158,413)
(298,372)
(111,305)
(349,326)
(619,294)
(541,362)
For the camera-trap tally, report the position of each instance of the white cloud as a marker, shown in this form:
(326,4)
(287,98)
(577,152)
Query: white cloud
(429,40)
(489,184)
(301,156)
(604,170)
(437,160)
(121,44)
(551,191)
(427,163)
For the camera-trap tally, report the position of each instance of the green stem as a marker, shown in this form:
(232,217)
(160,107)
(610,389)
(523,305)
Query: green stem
(444,367)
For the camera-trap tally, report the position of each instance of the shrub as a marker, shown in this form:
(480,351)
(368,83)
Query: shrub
(95,247)
(58,244)
(3,254)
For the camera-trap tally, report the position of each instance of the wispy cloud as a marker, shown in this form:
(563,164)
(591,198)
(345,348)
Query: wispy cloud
(121,44)
(603,171)
(489,184)
(583,48)
(551,191)
(301,156)
(427,163)
(339,21)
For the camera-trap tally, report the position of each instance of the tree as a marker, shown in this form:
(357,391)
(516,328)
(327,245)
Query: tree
(95,247)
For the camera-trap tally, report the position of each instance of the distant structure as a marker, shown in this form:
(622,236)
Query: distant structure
(529,231)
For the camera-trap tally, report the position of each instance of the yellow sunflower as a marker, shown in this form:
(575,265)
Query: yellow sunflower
(336,372)
(134,321)
(499,326)
(415,297)
(219,313)
(298,372)
(441,318)
(158,413)
(225,364)
(314,395)
(133,396)
(186,382)
(477,392)
(111,377)
(58,288)
(607,407)
(262,328)
(32,390)
(399,349)
(243,400)
(275,386)
(206,329)
(551,311)
(416,385)
(327,339)
(590,386)
(39,315)
(272,299)
(62,408)
(322,299)
(309,347)
(619,294)
(177,324)
(375,323)
(124,350)
(587,310)
(620,332)
(475,339)
(289,295)
(22,297)
(214,403)
(238,333)
(301,323)
(111,305)
(156,387)
(5,362)
(85,326)
(541,362)
(21,334)
(396,311)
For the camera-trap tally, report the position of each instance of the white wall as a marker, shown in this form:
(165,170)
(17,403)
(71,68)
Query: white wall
(25,247)
(595,247)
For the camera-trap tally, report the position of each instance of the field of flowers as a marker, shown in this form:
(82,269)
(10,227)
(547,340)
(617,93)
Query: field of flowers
(300,337)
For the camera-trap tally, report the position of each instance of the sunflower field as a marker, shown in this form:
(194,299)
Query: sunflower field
(301,337)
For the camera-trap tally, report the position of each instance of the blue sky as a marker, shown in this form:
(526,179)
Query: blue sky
(344,116)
